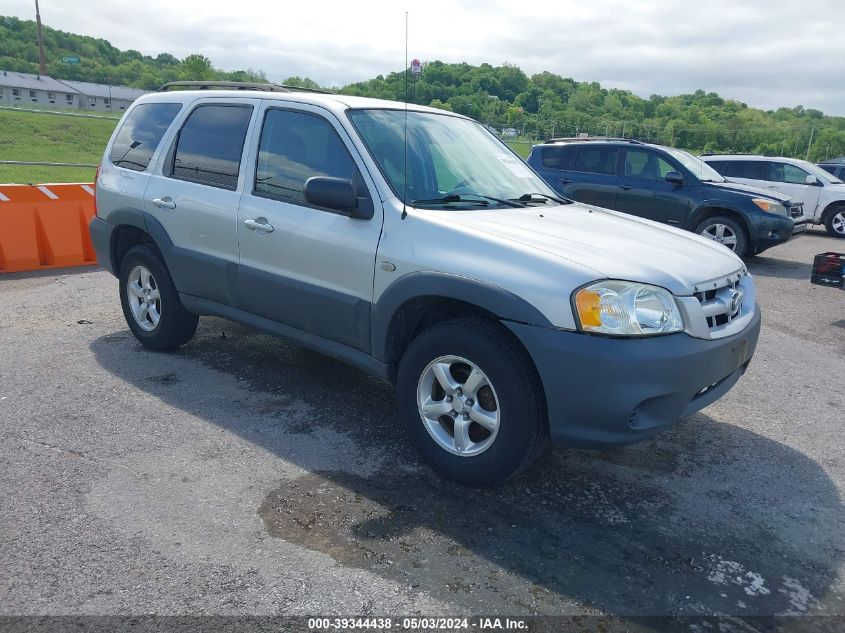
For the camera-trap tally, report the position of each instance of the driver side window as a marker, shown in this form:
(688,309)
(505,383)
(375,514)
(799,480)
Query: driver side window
(790,174)
(641,163)
(296,146)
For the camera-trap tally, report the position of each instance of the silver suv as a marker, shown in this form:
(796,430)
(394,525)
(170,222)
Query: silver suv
(413,243)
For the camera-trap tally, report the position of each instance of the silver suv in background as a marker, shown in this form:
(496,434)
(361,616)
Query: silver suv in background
(415,244)
(822,193)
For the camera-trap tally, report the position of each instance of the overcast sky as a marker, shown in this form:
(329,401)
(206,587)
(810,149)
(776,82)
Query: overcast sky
(767,53)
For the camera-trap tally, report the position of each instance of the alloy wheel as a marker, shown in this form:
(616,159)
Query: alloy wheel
(144,298)
(721,233)
(458,406)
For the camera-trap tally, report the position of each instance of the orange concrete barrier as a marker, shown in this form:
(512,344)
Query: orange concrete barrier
(45,226)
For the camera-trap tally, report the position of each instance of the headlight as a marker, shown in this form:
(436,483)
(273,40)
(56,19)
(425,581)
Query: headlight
(625,308)
(770,206)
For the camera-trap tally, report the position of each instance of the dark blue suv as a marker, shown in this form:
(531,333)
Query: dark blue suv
(670,186)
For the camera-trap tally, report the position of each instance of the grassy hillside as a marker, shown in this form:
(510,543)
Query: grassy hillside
(541,105)
(51,138)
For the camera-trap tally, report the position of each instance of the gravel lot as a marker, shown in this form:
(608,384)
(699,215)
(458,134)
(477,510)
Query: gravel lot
(244,475)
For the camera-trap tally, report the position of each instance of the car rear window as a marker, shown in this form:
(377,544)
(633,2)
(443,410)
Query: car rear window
(559,157)
(597,160)
(210,144)
(140,133)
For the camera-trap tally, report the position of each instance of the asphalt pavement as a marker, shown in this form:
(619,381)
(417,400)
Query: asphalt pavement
(246,475)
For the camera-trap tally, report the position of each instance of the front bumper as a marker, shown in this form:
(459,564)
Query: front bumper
(801,225)
(604,391)
(770,230)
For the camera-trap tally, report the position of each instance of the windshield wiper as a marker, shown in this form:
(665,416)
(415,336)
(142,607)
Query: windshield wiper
(529,197)
(467,198)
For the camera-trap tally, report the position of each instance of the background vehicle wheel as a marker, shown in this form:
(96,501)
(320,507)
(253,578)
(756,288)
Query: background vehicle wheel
(727,232)
(835,221)
(471,402)
(150,302)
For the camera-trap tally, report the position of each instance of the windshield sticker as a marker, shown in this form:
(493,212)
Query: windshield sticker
(516,167)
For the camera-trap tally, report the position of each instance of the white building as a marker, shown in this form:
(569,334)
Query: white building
(25,90)
(104,98)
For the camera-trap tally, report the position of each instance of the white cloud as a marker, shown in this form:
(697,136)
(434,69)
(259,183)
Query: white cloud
(768,53)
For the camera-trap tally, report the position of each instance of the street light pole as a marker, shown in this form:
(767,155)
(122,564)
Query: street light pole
(42,61)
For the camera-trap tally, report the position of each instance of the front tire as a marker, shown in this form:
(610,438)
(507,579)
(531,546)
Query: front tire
(834,223)
(471,402)
(725,231)
(150,302)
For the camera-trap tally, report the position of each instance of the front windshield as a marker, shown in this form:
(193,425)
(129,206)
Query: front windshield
(698,167)
(820,173)
(447,156)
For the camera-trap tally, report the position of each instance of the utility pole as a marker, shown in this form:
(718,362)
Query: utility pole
(42,61)
(810,144)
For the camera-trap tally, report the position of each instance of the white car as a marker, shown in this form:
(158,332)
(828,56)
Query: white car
(413,243)
(822,193)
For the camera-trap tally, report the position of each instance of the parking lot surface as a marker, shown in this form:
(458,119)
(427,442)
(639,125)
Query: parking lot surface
(246,475)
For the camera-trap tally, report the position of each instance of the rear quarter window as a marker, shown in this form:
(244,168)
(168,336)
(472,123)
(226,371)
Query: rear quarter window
(140,134)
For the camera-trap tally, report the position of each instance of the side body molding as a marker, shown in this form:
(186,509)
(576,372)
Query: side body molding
(503,304)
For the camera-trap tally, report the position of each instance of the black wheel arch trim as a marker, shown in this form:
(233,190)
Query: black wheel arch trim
(502,303)
(697,215)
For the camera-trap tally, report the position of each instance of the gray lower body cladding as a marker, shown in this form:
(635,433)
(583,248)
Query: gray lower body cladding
(101,234)
(612,391)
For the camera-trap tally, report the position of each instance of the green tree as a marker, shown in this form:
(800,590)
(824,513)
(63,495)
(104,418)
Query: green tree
(197,67)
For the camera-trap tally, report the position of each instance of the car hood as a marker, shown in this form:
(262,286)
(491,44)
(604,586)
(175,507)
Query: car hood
(615,245)
(756,191)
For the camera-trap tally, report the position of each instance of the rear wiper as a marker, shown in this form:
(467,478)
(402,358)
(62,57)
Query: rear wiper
(529,197)
(467,198)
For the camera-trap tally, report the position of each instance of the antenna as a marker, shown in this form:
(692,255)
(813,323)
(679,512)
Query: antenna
(405,176)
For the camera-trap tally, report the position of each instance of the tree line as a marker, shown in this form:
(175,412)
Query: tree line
(504,97)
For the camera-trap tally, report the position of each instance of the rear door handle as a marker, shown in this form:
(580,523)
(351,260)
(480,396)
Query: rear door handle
(624,187)
(565,181)
(164,203)
(259,224)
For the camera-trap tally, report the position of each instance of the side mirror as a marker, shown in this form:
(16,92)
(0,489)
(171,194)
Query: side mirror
(675,178)
(337,194)
(812,180)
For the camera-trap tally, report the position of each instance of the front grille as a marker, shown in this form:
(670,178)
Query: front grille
(721,305)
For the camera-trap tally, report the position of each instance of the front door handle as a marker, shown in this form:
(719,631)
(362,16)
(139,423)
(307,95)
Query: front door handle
(624,187)
(164,203)
(259,224)
(565,181)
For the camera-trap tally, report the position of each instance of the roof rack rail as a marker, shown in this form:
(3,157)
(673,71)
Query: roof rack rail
(576,139)
(236,85)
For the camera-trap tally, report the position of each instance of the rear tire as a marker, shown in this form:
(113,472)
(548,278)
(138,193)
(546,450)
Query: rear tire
(725,231)
(150,302)
(834,222)
(489,422)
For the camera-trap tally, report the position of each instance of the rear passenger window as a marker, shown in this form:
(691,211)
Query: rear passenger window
(597,160)
(140,134)
(210,144)
(751,169)
(296,146)
(559,157)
